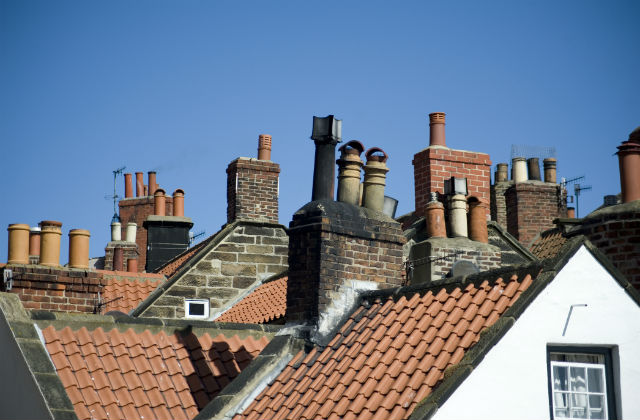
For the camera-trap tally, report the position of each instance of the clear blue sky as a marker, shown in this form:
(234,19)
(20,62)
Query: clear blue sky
(184,87)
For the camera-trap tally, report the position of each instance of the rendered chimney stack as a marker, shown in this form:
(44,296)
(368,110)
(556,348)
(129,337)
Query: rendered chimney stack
(519,167)
(571,212)
(159,202)
(349,172)
(375,174)
(436,129)
(478,220)
(533,166)
(502,172)
(116,231)
(79,248)
(326,134)
(629,161)
(139,184)
(50,234)
(153,186)
(436,226)
(264,147)
(178,202)
(18,244)
(118,255)
(130,235)
(550,170)
(132,265)
(458,216)
(34,242)
(128,187)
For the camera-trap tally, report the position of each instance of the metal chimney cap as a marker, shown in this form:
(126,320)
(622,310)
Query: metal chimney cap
(327,129)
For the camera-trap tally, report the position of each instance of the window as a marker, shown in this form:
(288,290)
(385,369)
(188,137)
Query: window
(196,308)
(580,383)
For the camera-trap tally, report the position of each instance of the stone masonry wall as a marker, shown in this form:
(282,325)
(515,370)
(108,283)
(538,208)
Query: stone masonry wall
(433,165)
(55,289)
(531,208)
(129,251)
(252,190)
(250,252)
(499,202)
(136,210)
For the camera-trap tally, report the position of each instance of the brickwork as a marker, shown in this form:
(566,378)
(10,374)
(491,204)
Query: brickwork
(434,258)
(55,289)
(136,210)
(531,208)
(499,202)
(615,231)
(252,190)
(434,164)
(130,250)
(248,252)
(332,245)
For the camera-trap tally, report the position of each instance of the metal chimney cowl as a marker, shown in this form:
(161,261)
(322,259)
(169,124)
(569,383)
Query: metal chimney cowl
(326,133)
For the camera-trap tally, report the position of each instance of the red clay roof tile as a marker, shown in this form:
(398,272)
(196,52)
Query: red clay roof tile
(266,303)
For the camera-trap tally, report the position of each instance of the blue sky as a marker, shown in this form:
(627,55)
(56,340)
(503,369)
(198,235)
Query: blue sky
(185,87)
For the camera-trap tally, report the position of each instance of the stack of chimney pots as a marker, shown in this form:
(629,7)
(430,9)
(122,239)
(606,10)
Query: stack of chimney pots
(178,201)
(50,234)
(629,162)
(264,147)
(159,202)
(349,172)
(79,248)
(523,169)
(375,174)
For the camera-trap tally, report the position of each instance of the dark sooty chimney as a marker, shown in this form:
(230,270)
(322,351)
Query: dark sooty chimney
(326,134)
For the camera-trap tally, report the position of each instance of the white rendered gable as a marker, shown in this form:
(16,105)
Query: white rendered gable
(511,381)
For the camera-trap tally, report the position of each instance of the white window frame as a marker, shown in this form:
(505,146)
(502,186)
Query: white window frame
(187,304)
(585,393)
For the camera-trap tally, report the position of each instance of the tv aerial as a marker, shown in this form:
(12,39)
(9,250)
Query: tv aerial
(577,188)
(115,196)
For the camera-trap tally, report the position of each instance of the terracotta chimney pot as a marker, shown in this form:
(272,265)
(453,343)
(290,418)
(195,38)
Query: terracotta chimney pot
(436,129)
(436,226)
(264,147)
(79,248)
(132,265)
(350,172)
(519,165)
(118,255)
(502,172)
(629,162)
(139,184)
(50,234)
(571,212)
(128,187)
(458,216)
(153,186)
(550,170)
(34,241)
(375,174)
(478,220)
(178,202)
(159,202)
(18,244)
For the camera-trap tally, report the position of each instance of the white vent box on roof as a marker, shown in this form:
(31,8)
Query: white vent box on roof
(196,308)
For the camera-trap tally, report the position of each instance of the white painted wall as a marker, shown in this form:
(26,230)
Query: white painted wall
(511,381)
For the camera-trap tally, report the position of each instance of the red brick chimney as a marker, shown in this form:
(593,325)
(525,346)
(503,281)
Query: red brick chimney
(253,187)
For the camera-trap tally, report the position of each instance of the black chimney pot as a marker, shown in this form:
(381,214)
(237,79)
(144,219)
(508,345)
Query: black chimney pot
(326,134)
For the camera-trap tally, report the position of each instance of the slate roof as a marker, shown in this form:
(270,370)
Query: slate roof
(109,374)
(392,351)
(123,291)
(548,244)
(268,302)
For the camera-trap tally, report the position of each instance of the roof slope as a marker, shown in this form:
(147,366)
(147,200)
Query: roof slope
(548,244)
(391,352)
(266,303)
(170,267)
(132,375)
(124,291)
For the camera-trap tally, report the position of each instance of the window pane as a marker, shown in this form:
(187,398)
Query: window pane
(596,380)
(578,379)
(579,406)
(596,407)
(560,378)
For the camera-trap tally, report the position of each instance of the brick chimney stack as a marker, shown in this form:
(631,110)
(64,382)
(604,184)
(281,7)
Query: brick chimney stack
(252,188)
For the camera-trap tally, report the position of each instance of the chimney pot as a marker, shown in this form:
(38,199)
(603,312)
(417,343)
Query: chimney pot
(478,220)
(153,186)
(131,231)
(159,202)
(116,231)
(629,162)
(326,134)
(458,216)
(502,172)
(571,212)
(436,129)
(118,255)
(132,265)
(519,165)
(374,179)
(436,227)
(350,172)
(50,234)
(79,248)
(533,165)
(18,244)
(549,170)
(128,187)
(139,184)
(34,242)
(264,147)
(178,202)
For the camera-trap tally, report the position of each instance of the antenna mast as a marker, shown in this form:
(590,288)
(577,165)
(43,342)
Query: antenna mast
(115,196)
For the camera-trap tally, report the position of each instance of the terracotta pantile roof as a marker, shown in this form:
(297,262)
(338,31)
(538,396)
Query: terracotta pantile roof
(131,375)
(548,244)
(125,294)
(389,355)
(172,266)
(267,302)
